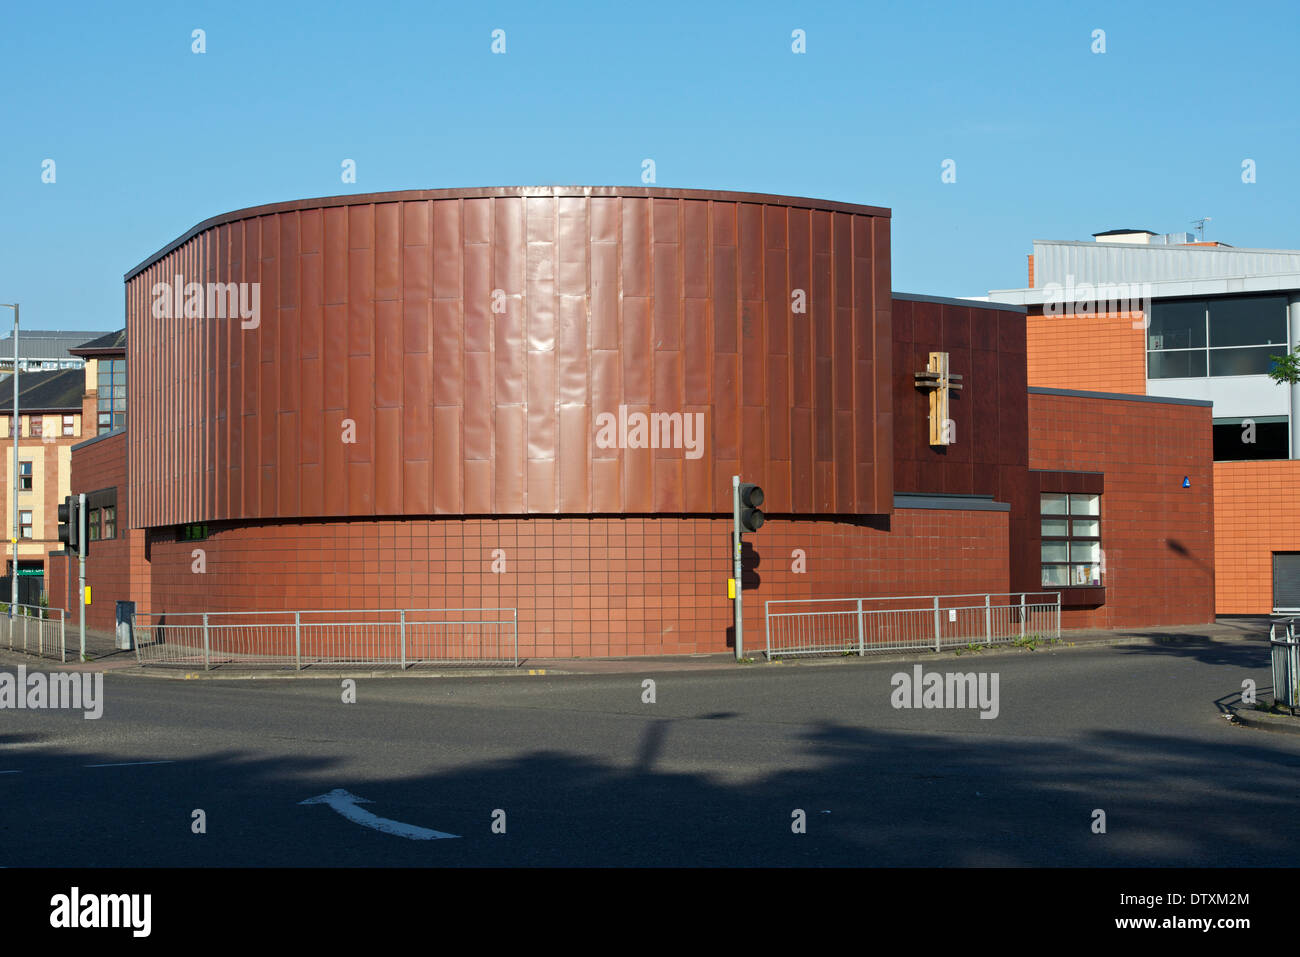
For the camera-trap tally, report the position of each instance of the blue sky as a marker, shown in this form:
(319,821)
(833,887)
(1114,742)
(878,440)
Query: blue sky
(1050,140)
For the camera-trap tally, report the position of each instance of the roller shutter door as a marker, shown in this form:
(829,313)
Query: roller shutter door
(1286,581)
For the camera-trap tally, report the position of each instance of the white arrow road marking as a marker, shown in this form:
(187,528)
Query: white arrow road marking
(345,802)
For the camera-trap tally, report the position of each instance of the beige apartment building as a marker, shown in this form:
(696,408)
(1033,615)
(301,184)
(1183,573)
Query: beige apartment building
(57,409)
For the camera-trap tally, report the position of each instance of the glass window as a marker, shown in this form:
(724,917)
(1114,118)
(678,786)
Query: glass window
(1056,574)
(69,425)
(1247,321)
(36,425)
(25,476)
(112,394)
(1085,551)
(92,524)
(1255,361)
(109,517)
(1053,503)
(1056,552)
(1177,324)
(1241,333)
(1085,575)
(1085,504)
(1086,528)
(25,522)
(1056,527)
(1176,365)
(1071,545)
(1258,438)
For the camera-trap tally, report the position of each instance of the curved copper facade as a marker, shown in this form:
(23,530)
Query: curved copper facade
(472,337)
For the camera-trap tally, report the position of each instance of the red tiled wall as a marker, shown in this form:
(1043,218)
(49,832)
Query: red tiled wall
(1101,353)
(115,568)
(986,347)
(1158,537)
(1250,526)
(583,587)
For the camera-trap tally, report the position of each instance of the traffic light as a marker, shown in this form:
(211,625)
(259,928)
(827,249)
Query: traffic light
(751,517)
(68,523)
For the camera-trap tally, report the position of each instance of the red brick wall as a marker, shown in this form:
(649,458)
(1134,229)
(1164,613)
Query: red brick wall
(1157,537)
(113,565)
(583,587)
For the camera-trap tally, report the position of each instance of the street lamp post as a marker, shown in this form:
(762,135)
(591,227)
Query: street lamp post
(13,427)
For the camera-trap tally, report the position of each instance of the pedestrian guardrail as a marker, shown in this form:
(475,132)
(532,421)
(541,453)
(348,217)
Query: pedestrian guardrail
(1285,650)
(818,626)
(399,636)
(37,630)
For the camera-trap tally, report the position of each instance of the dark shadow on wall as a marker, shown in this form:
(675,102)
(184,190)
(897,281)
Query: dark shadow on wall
(1178,548)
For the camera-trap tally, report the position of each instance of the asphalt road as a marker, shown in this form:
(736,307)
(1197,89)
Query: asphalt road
(709,774)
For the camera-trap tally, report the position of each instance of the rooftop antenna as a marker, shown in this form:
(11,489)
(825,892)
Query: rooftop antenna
(1200,226)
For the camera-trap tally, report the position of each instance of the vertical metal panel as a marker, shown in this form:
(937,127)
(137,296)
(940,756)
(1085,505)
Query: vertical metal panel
(1286,580)
(454,352)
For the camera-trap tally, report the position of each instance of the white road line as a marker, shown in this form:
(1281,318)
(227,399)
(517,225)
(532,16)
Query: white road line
(126,764)
(11,772)
(345,802)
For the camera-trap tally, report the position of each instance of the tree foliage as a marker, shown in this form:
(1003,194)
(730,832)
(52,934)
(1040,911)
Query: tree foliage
(1286,369)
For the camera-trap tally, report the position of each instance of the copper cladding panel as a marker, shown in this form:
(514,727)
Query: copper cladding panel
(456,351)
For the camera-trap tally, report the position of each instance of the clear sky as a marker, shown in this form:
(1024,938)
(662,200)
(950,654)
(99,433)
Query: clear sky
(1050,140)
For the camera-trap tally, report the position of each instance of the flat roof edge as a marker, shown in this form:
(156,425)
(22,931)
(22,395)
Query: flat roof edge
(1127,397)
(483,192)
(950,301)
(956,503)
(100,438)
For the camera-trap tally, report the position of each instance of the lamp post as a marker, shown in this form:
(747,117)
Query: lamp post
(13,427)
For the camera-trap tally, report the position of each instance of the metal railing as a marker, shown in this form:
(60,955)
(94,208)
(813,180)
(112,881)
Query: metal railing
(399,636)
(818,626)
(1286,664)
(37,631)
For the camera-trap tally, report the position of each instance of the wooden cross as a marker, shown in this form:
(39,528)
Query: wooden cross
(940,383)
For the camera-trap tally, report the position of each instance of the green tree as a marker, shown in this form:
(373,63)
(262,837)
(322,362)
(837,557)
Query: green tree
(1286,369)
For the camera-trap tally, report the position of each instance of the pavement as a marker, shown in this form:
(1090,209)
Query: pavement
(103,655)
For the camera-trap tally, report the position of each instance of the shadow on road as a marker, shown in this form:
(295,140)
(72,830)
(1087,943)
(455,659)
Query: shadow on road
(871,797)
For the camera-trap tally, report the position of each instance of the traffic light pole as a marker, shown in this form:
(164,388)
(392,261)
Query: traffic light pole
(81,564)
(736,570)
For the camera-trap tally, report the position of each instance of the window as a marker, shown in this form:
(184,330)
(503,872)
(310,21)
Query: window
(69,425)
(193,533)
(101,514)
(1245,439)
(25,522)
(1071,539)
(112,395)
(24,476)
(1194,338)
(35,426)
